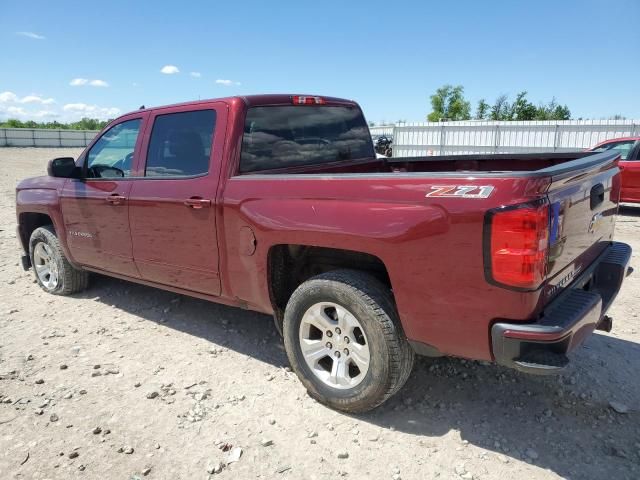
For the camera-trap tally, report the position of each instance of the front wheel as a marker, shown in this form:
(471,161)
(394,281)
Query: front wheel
(344,340)
(53,271)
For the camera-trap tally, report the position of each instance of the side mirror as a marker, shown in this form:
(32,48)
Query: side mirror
(63,167)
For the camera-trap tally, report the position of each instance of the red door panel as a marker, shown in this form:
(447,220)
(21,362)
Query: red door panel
(97,222)
(96,208)
(630,176)
(173,214)
(174,243)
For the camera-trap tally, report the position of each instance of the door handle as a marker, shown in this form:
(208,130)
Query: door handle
(115,199)
(197,202)
(597,195)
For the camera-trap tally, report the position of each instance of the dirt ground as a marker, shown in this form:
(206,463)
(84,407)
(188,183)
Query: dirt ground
(126,381)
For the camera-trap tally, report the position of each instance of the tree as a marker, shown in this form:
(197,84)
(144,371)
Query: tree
(501,109)
(553,111)
(83,124)
(522,109)
(448,103)
(482,111)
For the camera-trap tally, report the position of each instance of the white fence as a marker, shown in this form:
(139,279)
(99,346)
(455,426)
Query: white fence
(37,137)
(457,138)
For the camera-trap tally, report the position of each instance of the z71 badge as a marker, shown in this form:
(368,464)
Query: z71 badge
(460,191)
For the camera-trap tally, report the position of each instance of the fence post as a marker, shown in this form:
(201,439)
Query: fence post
(497,139)
(33,136)
(555,137)
(394,135)
(443,138)
(60,137)
(85,138)
(633,129)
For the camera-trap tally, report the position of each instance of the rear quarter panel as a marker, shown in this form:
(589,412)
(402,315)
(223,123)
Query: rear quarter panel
(431,247)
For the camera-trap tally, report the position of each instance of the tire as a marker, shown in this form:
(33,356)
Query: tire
(325,298)
(44,243)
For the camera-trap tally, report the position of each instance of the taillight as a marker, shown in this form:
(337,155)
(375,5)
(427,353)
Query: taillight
(516,244)
(306,100)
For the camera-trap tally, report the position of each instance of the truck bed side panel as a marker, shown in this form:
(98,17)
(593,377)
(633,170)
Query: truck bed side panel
(431,247)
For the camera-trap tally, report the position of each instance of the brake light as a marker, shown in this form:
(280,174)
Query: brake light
(516,245)
(305,100)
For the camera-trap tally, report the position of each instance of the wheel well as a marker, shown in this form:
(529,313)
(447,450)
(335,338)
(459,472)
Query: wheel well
(291,265)
(29,222)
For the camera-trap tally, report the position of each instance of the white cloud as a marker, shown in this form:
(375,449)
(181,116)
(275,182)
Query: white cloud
(17,111)
(195,74)
(35,36)
(35,106)
(169,69)
(226,83)
(8,97)
(93,111)
(80,82)
(37,99)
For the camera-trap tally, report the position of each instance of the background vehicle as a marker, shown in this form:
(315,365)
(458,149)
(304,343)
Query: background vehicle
(383,145)
(629,149)
(277,203)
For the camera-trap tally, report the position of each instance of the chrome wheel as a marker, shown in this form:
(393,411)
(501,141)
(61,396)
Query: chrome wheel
(45,265)
(334,345)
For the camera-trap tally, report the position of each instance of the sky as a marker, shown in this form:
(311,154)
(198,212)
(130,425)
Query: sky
(65,60)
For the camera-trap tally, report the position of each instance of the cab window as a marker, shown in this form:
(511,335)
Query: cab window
(112,155)
(180,144)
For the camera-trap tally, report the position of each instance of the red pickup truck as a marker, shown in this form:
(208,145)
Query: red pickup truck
(629,150)
(278,204)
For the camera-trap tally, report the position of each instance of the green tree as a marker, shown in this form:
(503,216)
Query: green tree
(553,111)
(482,111)
(522,109)
(501,110)
(448,103)
(83,124)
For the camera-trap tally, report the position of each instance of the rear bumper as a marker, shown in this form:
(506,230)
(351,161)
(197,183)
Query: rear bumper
(541,347)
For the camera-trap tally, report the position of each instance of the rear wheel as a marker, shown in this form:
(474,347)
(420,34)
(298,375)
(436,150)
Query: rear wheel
(344,340)
(53,271)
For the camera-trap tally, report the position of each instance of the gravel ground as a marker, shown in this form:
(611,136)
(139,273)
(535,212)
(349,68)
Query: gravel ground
(126,381)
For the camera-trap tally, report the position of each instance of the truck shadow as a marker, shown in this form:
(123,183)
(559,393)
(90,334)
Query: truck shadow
(563,424)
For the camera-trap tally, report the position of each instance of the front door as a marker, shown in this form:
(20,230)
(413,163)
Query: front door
(630,167)
(172,202)
(95,208)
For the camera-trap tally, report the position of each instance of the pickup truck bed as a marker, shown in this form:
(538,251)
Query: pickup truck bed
(277,203)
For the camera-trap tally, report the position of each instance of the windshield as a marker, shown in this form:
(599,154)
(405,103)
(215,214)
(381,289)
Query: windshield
(288,136)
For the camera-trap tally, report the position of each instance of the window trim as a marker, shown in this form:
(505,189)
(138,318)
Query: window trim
(151,124)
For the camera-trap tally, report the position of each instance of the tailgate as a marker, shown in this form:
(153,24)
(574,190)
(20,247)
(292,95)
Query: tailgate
(583,202)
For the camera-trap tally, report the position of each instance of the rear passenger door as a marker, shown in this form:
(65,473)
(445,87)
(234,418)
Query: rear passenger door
(172,207)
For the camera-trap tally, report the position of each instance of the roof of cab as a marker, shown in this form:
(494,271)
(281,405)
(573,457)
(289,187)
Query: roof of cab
(250,101)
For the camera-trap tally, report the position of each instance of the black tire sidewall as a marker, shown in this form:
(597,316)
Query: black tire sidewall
(375,383)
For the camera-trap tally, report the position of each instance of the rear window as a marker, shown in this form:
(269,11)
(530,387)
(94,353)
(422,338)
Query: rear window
(289,136)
